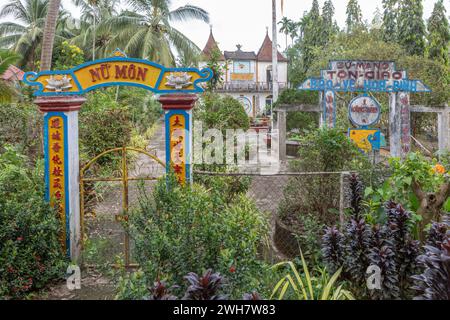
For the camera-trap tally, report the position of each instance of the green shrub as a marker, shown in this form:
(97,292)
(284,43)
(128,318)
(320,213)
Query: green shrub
(67,56)
(104,125)
(178,230)
(21,125)
(311,201)
(221,112)
(30,251)
(144,109)
(323,150)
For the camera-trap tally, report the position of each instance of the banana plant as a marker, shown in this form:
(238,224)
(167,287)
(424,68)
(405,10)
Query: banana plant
(307,287)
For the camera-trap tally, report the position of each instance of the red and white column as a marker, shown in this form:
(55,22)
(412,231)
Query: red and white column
(62,165)
(178,134)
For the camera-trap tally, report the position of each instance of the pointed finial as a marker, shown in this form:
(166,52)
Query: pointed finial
(210,27)
(267,30)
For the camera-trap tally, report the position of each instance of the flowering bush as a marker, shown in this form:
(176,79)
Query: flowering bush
(67,56)
(30,251)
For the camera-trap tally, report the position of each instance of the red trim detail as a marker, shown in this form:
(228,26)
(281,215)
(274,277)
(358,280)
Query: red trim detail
(61,104)
(180,101)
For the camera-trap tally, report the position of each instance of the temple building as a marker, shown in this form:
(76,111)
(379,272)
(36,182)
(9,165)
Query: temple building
(248,75)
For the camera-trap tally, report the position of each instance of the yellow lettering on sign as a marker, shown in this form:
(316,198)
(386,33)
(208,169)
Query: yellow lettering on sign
(178,145)
(110,72)
(56,169)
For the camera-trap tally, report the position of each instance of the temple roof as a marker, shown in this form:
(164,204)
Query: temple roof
(265,52)
(239,54)
(12,74)
(210,46)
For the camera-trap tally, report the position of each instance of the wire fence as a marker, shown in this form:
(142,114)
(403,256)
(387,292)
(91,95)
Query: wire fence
(299,205)
(294,200)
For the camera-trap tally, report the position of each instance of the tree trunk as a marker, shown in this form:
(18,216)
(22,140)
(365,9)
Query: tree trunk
(431,204)
(49,34)
(93,36)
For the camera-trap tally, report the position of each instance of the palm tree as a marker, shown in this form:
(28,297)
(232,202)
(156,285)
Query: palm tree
(6,59)
(285,28)
(24,35)
(293,30)
(49,34)
(147,32)
(93,14)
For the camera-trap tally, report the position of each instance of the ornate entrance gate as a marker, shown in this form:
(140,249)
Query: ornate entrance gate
(60,96)
(124,177)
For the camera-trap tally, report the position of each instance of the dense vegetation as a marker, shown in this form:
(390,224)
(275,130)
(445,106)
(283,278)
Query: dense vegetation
(180,230)
(398,33)
(30,247)
(208,241)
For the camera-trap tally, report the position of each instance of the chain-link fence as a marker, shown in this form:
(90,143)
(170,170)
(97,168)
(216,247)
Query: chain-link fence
(299,204)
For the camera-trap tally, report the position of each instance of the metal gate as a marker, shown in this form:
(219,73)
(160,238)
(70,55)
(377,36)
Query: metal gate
(124,178)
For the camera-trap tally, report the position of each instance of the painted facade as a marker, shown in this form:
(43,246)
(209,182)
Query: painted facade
(248,76)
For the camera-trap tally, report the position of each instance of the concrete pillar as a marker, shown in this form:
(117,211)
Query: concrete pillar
(394,126)
(62,166)
(329,109)
(444,130)
(178,136)
(282,135)
(403,102)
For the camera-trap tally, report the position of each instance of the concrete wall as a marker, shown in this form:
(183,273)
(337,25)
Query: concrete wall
(282,71)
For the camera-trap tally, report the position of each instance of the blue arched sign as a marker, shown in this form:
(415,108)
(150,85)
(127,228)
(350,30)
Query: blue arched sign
(118,71)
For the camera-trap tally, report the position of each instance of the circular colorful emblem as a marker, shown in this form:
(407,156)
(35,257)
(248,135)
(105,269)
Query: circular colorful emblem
(364,111)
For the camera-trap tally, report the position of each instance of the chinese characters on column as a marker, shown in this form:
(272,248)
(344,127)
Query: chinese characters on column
(56,169)
(177,131)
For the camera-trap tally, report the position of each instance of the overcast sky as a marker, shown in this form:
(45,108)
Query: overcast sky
(244,21)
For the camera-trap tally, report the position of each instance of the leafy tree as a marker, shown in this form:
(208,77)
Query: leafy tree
(221,112)
(377,20)
(147,32)
(315,11)
(67,56)
(354,16)
(438,34)
(390,15)
(218,69)
(329,24)
(411,26)
(311,30)
(93,36)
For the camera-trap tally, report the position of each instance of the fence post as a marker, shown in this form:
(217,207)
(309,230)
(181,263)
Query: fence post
(443,130)
(342,198)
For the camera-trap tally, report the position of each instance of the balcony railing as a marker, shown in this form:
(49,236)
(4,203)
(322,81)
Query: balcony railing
(249,86)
